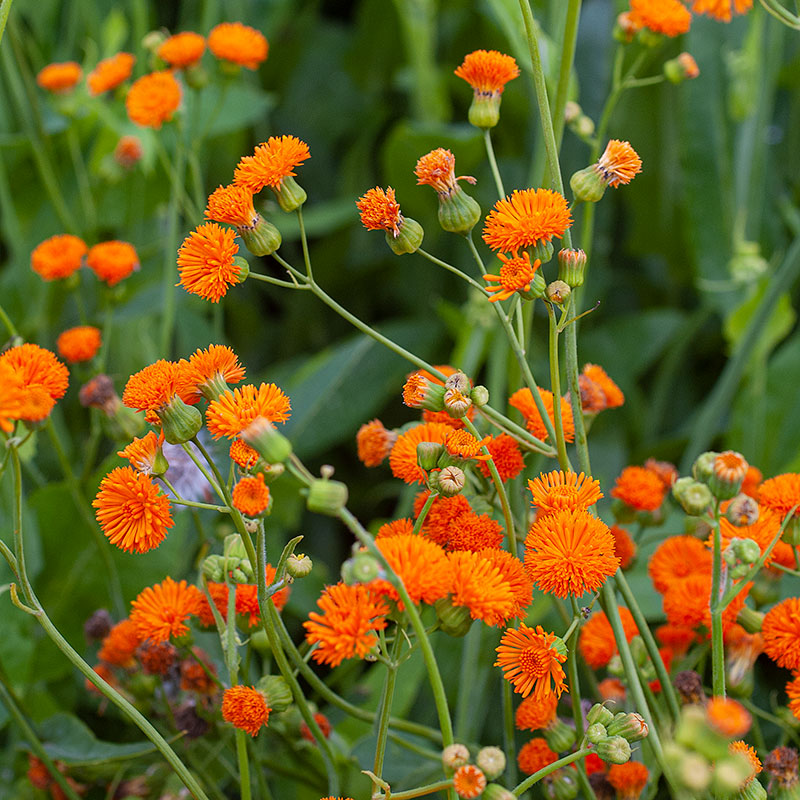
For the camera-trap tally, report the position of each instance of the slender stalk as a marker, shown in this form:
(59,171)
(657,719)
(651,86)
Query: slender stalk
(304,241)
(525,437)
(4,318)
(219,488)
(276,281)
(82,177)
(424,512)
(429,788)
(385,706)
(509,730)
(244,766)
(565,67)
(716,607)
(555,387)
(498,181)
(5,8)
(463,275)
(550,768)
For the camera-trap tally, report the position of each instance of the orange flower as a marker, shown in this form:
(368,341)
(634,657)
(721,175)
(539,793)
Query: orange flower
(441,515)
(182,50)
(516,275)
(728,716)
(677,558)
(271,162)
(153,99)
(462,444)
(208,372)
(611,689)
(243,455)
(112,261)
(741,651)
(624,546)
(781,493)
(110,73)
(569,552)
(246,599)
(619,163)
(593,399)
(374,443)
(506,455)
(58,257)
(120,644)
(152,388)
(437,169)
(530,659)
(325,729)
(556,491)
(13,398)
(161,611)
(669,17)
(534,755)
(59,77)
(470,531)
(195,675)
(232,205)
(219,596)
(79,344)
(132,511)
(469,781)
(762,532)
(245,708)
(750,754)
(206,261)
(781,632)
(128,151)
(526,218)
(721,9)
(239,44)
(639,488)
(251,496)
(419,563)
(398,527)
(677,637)
(534,714)
(488,71)
(686,602)
(346,628)
(403,458)
(612,392)
(235,410)
(597,644)
(37,370)
(666,472)
(628,779)
(793,693)
(752,482)
(380,211)
(730,467)
(141,453)
(523,401)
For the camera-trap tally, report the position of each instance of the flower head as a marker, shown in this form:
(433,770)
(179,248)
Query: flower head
(781,632)
(628,779)
(534,755)
(516,275)
(793,693)
(526,218)
(161,611)
(469,781)
(251,496)
(624,546)
(346,628)
(745,750)
(569,552)
(728,716)
(120,644)
(557,491)
(597,644)
(239,44)
(182,50)
(380,211)
(245,708)
(721,9)
(110,73)
(374,443)
(686,602)
(467,531)
(613,394)
(534,714)
(209,370)
(462,444)
(132,511)
(152,388)
(403,458)
(437,169)
(232,205)
(128,151)
(669,17)
(762,532)
(506,455)
(488,71)
(639,488)
(271,162)
(79,344)
(243,455)
(58,257)
(112,261)
(153,99)
(675,559)
(59,77)
(523,401)
(530,661)
(619,164)
(235,410)
(206,264)
(781,493)
(156,658)
(141,453)
(419,563)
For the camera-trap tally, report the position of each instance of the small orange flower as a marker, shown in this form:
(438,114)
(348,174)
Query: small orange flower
(397,527)
(132,511)
(113,261)
(58,257)
(728,716)
(161,611)
(208,372)
(243,455)
(110,73)
(624,546)
(128,151)
(639,488)
(251,496)
(153,99)
(628,779)
(669,17)
(516,275)
(141,453)
(246,599)
(686,602)
(380,211)
(721,9)
(469,781)
(232,205)
(597,644)
(463,445)
(677,637)
(346,628)
(235,410)
(781,493)
(239,44)
(488,71)
(534,714)
(506,455)
(611,689)
(530,660)
(15,399)
(245,708)
(79,344)
(593,399)
(437,169)
(403,458)
(325,729)
(196,673)
(730,467)
(793,693)
(523,401)
(612,392)
(534,755)
(419,563)
(271,162)
(744,749)
(441,515)
(59,77)
(156,658)
(677,558)
(119,646)
(468,531)
(182,50)
(36,370)
(762,532)
(666,472)
(152,388)
(557,491)
(781,632)
(619,164)
(569,552)
(206,264)
(526,218)
(374,443)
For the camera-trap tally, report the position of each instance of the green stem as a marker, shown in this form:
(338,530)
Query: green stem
(525,437)
(5,7)
(575,696)
(555,386)
(716,607)
(565,67)
(385,706)
(509,730)
(219,488)
(550,768)
(304,242)
(82,177)
(573,380)
(276,281)
(498,181)
(424,513)
(429,788)
(463,275)
(4,318)
(244,766)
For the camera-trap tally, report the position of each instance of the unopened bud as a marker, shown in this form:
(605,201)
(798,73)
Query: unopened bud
(290,194)
(214,568)
(456,404)
(479,396)
(458,212)
(571,266)
(596,733)
(625,28)
(544,252)
(409,238)
(695,497)
(276,692)
(630,725)
(494,791)
(453,620)
(179,421)
(299,565)
(559,736)
(562,785)
(682,68)
(599,713)
(484,111)
(262,239)
(703,467)
(557,292)
(492,760)
(614,750)
(361,568)
(454,756)
(327,497)
(571,111)
(262,435)
(428,454)
(588,185)
(458,381)
(742,511)
(451,481)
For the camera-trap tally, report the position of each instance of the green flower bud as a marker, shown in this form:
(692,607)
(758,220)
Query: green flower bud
(572,267)
(272,446)
(243,268)
(299,565)
(484,112)
(630,725)
(479,396)
(599,713)
(196,76)
(179,421)
(693,496)
(746,550)
(558,292)
(494,791)
(458,212)
(559,736)
(562,784)
(214,568)
(261,240)
(361,568)
(588,185)
(290,194)
(453,620)
(276,692)
(596,732)
(408,240)
(492,760)
(544,252)
(703,467)
(614,750)
(454,756)
(428,455)
(450,481)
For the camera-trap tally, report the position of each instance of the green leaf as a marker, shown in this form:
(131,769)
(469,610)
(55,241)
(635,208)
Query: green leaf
(114,32)
(233,108)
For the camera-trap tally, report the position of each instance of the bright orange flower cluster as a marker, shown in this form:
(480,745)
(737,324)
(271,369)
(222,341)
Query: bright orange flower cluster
(119,646)
(112,261)
(403,457)
(526,218)
(58,257)
(506,455)
(152,388)
(533,714)
(531,661)
(207,372)
(597,644)
(559,491)
(79,344)
(110,73)
(640,488)
(380,211)
(272,162)
(153,99)
(245,708)
(374,443)
(618,164)
(781,632)
(251,496)
(206,262)
(141,453)
(232,205)
(628,779)
(437,169)
(161,611)
(669,17)
(523,401)
(516,275)
(239,44)
(419,563)
(721,9)
(182,50)
(781,494)
(535,755)
(234,410)
(488,71)
(59,77)
(675,559)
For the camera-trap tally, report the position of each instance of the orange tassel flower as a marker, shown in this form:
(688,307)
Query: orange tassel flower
(628,779)
(533,714)
(437,169)
(597,644)
(559,491)
(419,563)
(132,511)
(669,17)
(37,371)
(469,781)
(619,164)
(380,211)
(531,661)
(58,257)
(534,755)
(243,455)
(728,716)
(516,275)
(468,531)
(128,151)
(182,50)
(232,205)
(272,162)
(239,44)
(506,455)
(208,372)
(251,496)
(526,218)
(781,632)
(152,388)
(721,9)
(374,443)
(781,493)
(161,611)
(488,71)
(60,77)
(403,458)
(613,394)
(206,262)
(523,401)
(640,489)
(234,410)
(677,558)
(113,261)
(153,99)
(744,749)
(79,344)
(119,646)
(110,73)
(245,708)
(141,453)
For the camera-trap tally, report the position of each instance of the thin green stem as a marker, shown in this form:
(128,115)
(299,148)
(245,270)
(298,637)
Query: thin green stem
(424,513)
(304,242)
(219,488)
(555,388)
(276,281)
(717,646)
(244,765)
(455,271)
(385,706)
(429,788)
(82,177)
(5,7)
(4,318)
(509,730)
(550,768)
(575,695)
(498,181)
(565,67)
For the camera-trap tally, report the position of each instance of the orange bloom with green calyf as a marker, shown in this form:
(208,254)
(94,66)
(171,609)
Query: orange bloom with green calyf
(58,257)
(79,344)
(374,443)
(639,488)
(208,372)
(161,611)
(245,708)
(523,401)
(271,163)
(437,169)
(669,17)
(488,71)
(153,99)
(516,275)
(380,211)
(235,409)
(721,9)
(403,457)
(60,77)
(619,164)
(112,261)
(560,491)
(206,262)
(232,205)
(526,218)
(531,661)
(182,50)
(239,44)
(781,632)
(110,73)
(251,496)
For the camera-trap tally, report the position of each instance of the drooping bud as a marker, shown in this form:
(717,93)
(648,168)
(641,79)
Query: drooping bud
(408,239)
(450,481)
(559,736)
(681,68)
(454,756)
(263,239)
(179,421)
(453,620)
(557,292)
(479,396)
(290,194)
(263,436)
(599,713)
(630,725)
(361,568)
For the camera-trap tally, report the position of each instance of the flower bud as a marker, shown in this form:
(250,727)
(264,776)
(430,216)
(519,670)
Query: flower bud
(729,774)
(458,381)
(453,620)
(276,692)
(456,404)
(727,475)
(494,791)
(262,435)
(630,725)
(479,396)
(599,713)
(690,769)
(179,421)
(408,240)
(454,756)
(299,565)
(747,263)
(450,481)
(752,791)
(614,750)
(290,194)
(572,111)
(682,68)
(361,568)
(747,550)
(458,212)
(571,267)
(596,732)
(693,496)
(196,76)
(327,497)
(559,736)
(625,28)
(544,252)
(428,454)
(588,185)
(562,785)
(703,466)
(742,511)
(243,269)
(492,760)
(261,240)
(484,112)
(214,568)
(695,733)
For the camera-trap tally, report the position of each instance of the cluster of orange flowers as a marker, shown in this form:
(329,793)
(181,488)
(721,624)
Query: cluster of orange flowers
(63,255)
(672,17)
